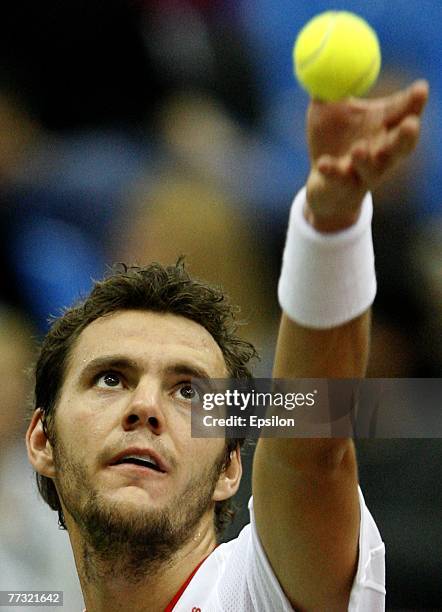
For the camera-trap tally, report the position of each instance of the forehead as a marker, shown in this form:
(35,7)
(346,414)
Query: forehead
(154,338)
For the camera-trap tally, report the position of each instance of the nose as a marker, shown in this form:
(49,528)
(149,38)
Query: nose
(144,409)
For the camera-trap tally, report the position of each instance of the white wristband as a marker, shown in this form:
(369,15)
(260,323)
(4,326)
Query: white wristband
(327,279)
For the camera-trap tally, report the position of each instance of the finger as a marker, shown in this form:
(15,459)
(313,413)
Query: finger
(372,160)
(408,101)
(363,164)
(397,142)
(335,167)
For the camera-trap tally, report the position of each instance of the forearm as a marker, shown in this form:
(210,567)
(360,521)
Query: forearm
(340,352)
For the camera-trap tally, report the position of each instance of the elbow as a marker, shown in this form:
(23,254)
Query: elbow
(336,461)
(318,455)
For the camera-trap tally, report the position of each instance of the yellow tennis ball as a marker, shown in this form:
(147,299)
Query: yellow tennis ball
(336,55)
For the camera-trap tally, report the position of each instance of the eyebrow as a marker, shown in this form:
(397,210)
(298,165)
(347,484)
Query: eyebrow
(184,369)
(122,362)
(107,362)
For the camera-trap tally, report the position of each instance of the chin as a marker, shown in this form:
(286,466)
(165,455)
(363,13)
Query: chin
(132,499)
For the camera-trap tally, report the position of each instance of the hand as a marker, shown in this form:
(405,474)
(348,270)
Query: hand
(353,145)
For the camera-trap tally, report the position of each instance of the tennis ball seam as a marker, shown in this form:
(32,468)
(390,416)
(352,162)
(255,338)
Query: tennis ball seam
(317,52)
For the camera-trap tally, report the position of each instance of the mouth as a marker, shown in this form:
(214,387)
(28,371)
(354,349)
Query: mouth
(144,463)
(144,459)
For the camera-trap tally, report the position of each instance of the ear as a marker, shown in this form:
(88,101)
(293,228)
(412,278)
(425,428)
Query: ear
(39,447)
(230,477)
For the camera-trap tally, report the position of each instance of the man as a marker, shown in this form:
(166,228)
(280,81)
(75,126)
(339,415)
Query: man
(110,436)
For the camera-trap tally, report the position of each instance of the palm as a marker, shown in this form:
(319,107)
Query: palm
(333,128)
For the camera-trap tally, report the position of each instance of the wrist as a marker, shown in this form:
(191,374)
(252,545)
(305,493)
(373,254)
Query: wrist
(332,223)
(333,208)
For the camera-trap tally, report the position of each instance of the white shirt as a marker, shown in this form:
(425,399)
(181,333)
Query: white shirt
(237,576)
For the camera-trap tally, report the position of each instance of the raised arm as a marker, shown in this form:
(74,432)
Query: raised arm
(305,490)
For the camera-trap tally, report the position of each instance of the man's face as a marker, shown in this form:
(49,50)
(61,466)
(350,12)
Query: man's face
(125,400)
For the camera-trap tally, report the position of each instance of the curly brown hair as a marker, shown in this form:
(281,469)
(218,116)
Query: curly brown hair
(153,288)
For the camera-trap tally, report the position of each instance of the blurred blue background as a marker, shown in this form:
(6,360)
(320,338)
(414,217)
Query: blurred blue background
(141,130)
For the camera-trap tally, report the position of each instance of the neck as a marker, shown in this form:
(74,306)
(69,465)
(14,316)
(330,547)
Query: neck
(118,583)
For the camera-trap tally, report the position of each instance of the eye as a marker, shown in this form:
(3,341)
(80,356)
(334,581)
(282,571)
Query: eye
(189,392)
(109,380)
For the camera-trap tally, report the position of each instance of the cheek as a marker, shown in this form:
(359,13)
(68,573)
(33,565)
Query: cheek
(80,437)
(203,454)
(81,420)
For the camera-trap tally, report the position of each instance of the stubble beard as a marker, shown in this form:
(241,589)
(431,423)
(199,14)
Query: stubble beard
(122,542)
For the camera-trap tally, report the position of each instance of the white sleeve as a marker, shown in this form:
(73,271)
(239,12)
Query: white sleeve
(368,591)
(249,581)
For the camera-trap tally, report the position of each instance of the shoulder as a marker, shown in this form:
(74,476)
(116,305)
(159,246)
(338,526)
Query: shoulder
(238,574)
(207,583)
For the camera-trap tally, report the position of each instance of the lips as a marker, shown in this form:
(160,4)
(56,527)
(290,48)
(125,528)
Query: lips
(143,457)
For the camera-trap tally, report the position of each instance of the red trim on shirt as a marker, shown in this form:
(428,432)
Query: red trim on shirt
(173,602)
(170,606)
